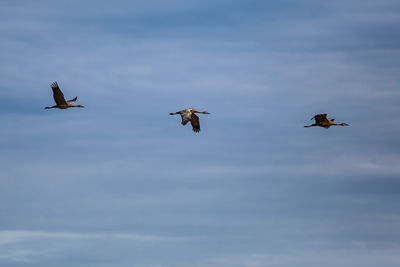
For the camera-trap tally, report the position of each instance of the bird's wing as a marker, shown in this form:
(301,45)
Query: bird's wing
(184,121)
(320,118)
(57,94)
(195,123)
(185,117)
(72,100)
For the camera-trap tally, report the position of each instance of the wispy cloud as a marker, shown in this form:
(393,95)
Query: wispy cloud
(329,258)
(15,245)
(13,236)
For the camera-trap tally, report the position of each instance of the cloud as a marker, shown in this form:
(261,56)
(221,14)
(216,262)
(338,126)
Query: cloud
(14,236)
(329,258)
(16,244)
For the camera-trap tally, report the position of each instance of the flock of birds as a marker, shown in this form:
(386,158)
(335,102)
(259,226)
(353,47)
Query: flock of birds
(187,114)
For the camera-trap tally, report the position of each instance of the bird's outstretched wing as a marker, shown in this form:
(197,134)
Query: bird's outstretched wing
(186,117)
(57,94)
(195,123)
(185,120)
(72,100)
(320,118)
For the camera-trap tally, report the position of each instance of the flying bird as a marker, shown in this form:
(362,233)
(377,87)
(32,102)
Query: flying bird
(322,121)
(60,100)
(189,115)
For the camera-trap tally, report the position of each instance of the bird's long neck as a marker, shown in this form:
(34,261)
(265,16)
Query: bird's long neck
(50,107)
(312,125)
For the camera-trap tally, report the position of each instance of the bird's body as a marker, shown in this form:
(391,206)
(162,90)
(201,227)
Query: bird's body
(322,121)
(60,100)
(189,115)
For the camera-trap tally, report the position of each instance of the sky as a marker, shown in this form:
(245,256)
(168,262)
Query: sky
(122,183)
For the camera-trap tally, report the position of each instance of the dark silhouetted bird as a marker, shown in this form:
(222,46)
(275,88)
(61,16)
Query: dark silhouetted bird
(322,121)
(60,100)
(189,115)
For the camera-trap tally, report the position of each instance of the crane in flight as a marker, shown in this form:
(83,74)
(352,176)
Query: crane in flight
(189,115)
(60,100)
(322,121)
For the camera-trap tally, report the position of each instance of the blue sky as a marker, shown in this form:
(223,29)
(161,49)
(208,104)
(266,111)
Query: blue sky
(122,183)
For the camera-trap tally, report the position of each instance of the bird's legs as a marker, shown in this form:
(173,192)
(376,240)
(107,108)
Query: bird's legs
(340,124)
(201,112)
(75,106)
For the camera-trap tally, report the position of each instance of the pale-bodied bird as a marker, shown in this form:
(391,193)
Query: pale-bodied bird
(189,115)
(322,121)
(60,100)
